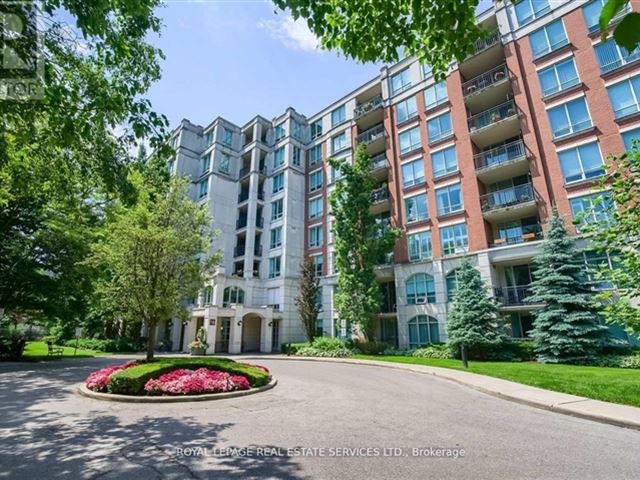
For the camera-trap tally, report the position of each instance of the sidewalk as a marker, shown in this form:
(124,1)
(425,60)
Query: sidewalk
(599,411)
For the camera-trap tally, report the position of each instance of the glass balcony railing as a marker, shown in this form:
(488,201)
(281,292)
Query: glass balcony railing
(380,195)
(485,80)
(509,296)
(507,197)
(372,134)
(369,106)
(499,155)
(492,116)
(379,161)
(517,235)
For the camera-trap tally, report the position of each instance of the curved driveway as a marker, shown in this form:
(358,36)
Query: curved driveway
(323,420)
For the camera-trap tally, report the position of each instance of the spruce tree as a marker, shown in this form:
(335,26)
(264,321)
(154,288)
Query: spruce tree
(566,329)
(474,324)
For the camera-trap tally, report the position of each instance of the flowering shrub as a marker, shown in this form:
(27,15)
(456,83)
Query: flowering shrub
(191,382)
(99,380)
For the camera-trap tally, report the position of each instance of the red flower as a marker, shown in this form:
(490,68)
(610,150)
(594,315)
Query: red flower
(192,382)
(99,380)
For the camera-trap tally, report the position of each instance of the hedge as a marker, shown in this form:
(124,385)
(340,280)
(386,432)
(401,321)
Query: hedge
(132,380)
(100,345)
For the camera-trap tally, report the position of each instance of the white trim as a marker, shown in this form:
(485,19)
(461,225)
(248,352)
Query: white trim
(452,223)
(438,114)
(628,128)
(621,79)
(406,128)
(413,194)
(566,100)
(418,230)
(578,143)
(449,183)
(548,63)
(410,159)
(589,190)
(443,147)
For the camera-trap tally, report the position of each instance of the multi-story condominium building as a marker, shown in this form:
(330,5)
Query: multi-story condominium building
(466,166)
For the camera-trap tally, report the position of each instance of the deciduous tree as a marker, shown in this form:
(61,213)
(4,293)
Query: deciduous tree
(307,299)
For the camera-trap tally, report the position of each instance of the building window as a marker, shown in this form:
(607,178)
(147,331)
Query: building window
(315,154)
(528,10)
(439,127)
(296,130)
(279,132)
(444,162)
(297,153)
(278,157)
(318,264)
(208,138)
(315,236)
(629,137)
(203,188)
(426,70)
(416,208)
(277,209)
(521,324)
(596,262)
(591,12)
(581,163)
(435,95)
(278,183)
(224,165)
(232,295)
(316,129)
(274,267)
(452,284)
(420,289)
(409,140)
(558,77)
(206,163)
(454,239)
(592,208)
(275,237)
(207,295)
(624,97)
(412,173)
(568,118)
(315,207)
(339,142)
(400,81)
(449,199)
(407,109)
(547,39)
(423,330)
(419,246)
(227,137)
(612,56)
(315,180)
(338,116)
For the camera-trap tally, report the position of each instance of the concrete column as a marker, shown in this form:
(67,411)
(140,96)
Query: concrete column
(266,331)
(254,180)
(235,333)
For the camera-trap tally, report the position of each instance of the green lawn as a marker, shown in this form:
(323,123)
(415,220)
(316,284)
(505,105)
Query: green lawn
(37,351)
(616,385)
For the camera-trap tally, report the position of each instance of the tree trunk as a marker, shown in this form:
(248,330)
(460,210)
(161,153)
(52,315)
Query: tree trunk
(151,340)
(463,356)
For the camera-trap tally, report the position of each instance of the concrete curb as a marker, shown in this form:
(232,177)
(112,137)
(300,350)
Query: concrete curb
(574,405)
(111,397)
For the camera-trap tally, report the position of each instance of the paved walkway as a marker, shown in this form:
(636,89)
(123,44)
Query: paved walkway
(324,420)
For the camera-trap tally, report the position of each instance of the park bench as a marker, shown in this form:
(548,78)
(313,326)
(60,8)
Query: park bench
(54,350)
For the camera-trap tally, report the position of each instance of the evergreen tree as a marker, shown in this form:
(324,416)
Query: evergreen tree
(360,242)
(307,299)
(566,329)
(473,325)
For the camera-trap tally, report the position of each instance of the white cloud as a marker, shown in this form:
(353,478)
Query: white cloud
(294,34)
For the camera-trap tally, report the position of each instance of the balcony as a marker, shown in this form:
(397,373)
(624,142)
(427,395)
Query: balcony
(484,43)
(261,195)
(487,89)
(244,172)
(243,197)
(241,223)
(238,251)
(384,268)
(512,296)
(504,161)
(368,107)
(520,235)
(257,250)
(495,124)
(379,166)
(380,200)
(487,53)
(259,222)
(372,134)
(503,205)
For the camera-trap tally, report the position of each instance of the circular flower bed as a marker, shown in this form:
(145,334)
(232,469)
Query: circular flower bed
(178,377)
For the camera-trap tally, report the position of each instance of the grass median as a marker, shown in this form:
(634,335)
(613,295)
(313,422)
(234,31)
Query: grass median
(617,385)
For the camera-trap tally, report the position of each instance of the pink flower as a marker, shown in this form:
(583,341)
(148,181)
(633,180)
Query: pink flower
(192,382)
(99,380)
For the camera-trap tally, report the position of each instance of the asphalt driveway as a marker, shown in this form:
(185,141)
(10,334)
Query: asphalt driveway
(323,420)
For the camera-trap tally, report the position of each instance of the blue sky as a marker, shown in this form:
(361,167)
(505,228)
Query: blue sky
(238,58)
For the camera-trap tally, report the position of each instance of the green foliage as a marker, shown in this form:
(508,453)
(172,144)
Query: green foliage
(120,345)
(566,329)
(619,361)
(149,252)
(324,347)
(132,380)
(627,33)
(379,31)
(370,347)
(359,243)
(200,343)
(473,320)
(293,347)
(433,351)
(620,235)
(307,299)
(12,341)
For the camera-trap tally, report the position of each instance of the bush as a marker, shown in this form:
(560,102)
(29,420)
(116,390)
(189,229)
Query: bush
(292,348)
(12,343)
(401,352)
(132,380)
(438,350)
(328,344)
(118,345)
(618,361)
(371,347)
(316,352)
